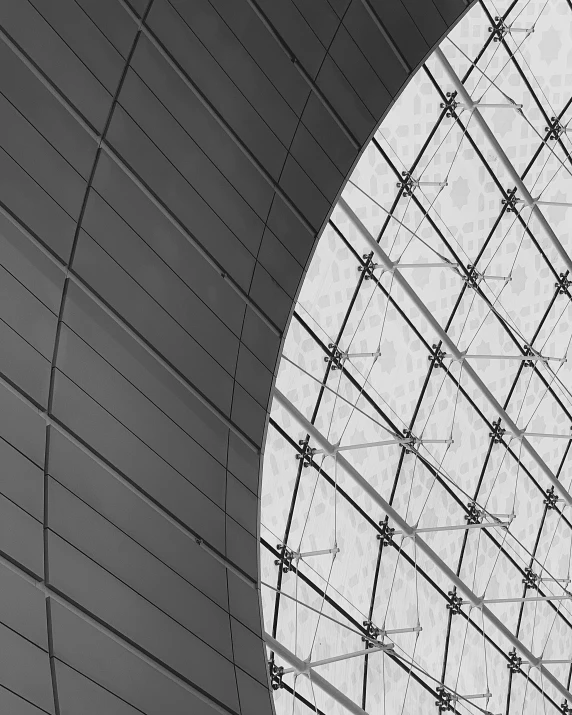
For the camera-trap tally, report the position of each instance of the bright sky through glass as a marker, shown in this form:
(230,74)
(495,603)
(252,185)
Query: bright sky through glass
(363,363)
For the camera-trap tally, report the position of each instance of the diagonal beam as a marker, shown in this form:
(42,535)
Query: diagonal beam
(386,508)
(457,354)
(503,158)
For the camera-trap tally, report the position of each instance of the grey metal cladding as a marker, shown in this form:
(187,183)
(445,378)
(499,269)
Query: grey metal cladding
(166,168)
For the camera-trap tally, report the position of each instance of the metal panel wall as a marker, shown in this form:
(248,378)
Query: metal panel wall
(165,169)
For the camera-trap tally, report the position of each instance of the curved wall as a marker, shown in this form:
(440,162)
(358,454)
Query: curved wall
(165,169)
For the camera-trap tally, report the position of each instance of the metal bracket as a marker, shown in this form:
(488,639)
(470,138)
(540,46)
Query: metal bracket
(386,535)
(286,558)
(369,267)
(531,579)
(498,432)
(373,632)
(276,673)
(455,602)
(499,29)
(411,443)
(474,515)
(307,452)
(514,661)
(336,359)
(409,184)
(450,104)
(551,498)
(445,698)
(528,351)
(555,130)
(563,283)
(511,201)
(437,356)
(473,278)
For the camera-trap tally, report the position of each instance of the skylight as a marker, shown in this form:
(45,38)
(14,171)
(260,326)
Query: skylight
(416,530)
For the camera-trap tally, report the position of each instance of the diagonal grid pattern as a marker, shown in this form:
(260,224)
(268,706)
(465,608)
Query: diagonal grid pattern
(482,296)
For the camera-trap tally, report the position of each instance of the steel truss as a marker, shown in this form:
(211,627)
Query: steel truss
(406,187)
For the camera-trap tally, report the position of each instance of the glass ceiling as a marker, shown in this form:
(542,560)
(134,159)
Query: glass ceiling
(435,318)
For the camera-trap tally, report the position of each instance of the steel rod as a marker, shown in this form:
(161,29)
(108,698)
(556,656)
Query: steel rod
(411,441)
(549,662)
(338,658)
(524,599)
(521,358)
(552,203)
(481,105)
(322,552)
(443,264)
(393,631)
(547,434)
(431,183)
(453,266)
(320,612)
(458,527)
(365,445)
(361,355)
(478,696)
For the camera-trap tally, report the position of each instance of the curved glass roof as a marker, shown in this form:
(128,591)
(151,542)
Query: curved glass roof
(417,481)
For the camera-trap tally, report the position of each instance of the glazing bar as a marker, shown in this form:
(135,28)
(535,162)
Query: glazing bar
(337,658)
